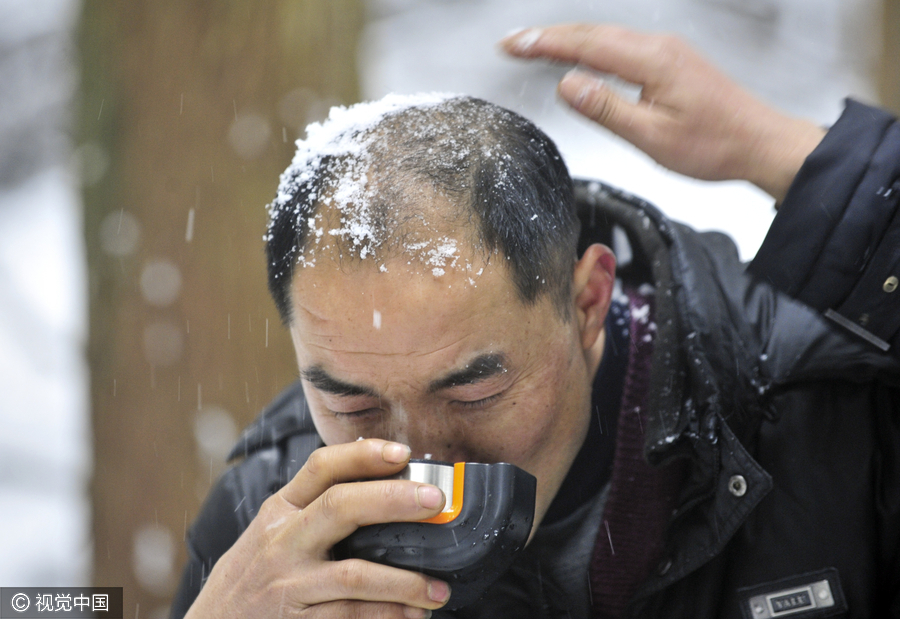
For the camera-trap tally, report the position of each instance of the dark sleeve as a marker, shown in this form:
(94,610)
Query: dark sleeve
(887,508)
(835,242)
(211,535)
(227,512)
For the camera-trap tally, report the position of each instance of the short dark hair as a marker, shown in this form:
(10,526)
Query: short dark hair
(505,177)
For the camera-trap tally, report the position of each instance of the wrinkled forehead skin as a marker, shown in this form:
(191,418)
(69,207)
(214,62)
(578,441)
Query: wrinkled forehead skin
(392,333)
(396,308)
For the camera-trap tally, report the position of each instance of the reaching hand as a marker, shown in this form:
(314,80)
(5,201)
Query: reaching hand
(281,565)
(690,118)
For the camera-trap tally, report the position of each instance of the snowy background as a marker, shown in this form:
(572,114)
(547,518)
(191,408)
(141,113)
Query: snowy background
(803,56)
(44,422)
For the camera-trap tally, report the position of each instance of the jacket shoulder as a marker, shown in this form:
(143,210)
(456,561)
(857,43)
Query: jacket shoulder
(266,456)
(835,242)
(285,416)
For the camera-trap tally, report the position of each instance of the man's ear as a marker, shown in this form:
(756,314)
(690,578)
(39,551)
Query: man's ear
(595,276)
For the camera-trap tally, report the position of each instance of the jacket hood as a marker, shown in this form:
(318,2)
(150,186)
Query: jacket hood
(725,339)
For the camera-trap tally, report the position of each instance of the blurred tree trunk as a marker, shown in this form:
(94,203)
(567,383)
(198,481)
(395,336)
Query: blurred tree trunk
(189,113)
(889,78)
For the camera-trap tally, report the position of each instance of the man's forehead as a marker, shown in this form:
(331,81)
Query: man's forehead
(439,273)
(402,308)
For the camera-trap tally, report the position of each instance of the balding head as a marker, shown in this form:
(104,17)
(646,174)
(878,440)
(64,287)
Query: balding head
(424,177)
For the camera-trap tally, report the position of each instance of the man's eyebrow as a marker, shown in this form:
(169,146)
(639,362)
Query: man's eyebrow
(480,368)
(323,381)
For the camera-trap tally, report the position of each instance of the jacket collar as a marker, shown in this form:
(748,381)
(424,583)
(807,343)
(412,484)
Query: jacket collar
(706,393)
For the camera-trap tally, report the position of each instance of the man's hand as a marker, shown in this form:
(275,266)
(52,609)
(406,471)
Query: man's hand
(281,565)
(690,117)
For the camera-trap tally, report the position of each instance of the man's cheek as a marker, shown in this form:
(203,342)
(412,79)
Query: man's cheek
(520,435)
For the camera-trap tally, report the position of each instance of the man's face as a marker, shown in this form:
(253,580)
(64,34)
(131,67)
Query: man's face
(461,371)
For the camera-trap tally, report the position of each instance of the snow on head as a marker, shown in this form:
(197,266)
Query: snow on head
(340,143)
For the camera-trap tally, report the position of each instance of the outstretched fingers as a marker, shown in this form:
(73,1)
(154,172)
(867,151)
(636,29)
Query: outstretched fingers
(593,98)
(633,56)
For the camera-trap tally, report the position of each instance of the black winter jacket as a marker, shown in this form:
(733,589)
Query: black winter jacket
(789,427)
(835,243)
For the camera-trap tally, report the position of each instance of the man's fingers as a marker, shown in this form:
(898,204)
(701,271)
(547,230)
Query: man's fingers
(351,609)
(355,579)
(343,508)
(325,467)
(594,99)
(633,56)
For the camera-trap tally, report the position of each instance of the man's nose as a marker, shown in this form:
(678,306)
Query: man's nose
(430,436)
